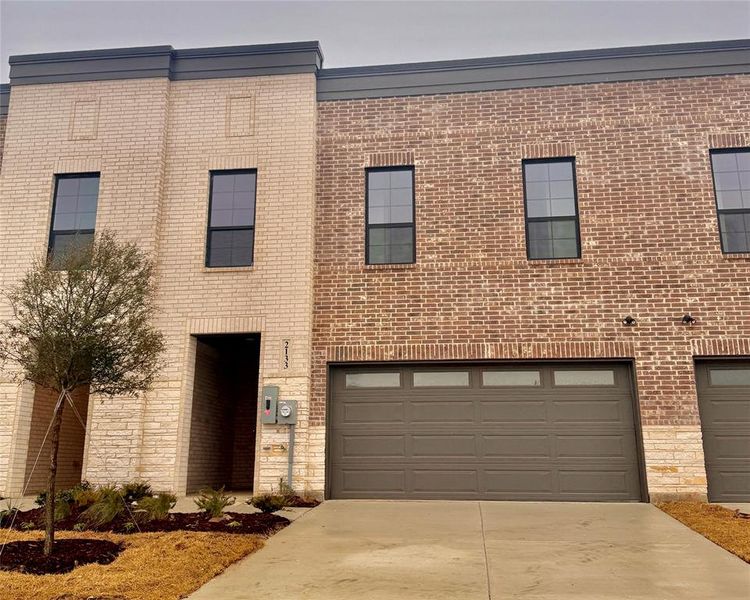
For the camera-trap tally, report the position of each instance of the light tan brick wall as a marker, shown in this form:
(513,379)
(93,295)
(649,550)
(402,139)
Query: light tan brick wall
(154,142)
(3,121)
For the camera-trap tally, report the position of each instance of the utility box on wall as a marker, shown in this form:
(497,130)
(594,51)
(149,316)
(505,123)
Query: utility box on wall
(286,412)
(268,403)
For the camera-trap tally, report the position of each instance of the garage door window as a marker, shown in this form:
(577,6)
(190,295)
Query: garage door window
(730,376)
(584,378)
(441,379)
(373,380)
(511,379)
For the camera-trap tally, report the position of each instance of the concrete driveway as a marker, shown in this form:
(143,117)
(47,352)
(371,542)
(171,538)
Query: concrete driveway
(357,550)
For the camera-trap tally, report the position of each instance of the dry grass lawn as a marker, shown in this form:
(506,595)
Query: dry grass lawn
(720,525)
(153,566)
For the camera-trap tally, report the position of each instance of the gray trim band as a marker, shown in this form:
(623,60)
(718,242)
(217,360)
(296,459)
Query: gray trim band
(4,99)
(165,61)
(536,70)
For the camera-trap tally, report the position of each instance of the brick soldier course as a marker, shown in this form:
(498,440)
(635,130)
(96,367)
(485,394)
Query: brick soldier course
(650,245)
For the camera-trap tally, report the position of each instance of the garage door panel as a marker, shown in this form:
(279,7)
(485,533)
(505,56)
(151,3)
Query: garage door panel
(618,445)
(733,484)
(365,480)
(593,411)
(447,411)
(516,446)
(372,411)
(727,446)
(533,442)
(450,445)
(446,482)
(595,482)
(513,411)
(732,412)
(368,446)
(522,482)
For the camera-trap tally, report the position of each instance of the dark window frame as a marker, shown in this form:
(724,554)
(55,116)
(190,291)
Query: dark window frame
(413,223)
(720,211)
(52,231)
(210,229)
(577,216)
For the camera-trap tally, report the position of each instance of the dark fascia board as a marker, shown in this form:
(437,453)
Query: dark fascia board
(165,61)
(4,99)
(536,70)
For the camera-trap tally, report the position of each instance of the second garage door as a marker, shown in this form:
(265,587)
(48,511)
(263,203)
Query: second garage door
(531,432)
(724,402)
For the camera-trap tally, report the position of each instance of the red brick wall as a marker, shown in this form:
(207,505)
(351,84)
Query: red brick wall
(650,245)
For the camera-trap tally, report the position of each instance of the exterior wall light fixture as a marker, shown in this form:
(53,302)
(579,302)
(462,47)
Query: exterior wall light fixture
(688,319)
(629,321)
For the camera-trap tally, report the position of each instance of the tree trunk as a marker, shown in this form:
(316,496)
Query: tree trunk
(49,507)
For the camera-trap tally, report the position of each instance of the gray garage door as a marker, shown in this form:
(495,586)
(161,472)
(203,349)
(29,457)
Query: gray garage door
(531,432)
(724,403)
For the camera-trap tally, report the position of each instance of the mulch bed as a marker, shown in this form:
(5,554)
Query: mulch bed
(240,523)
(729,529)
(28,556)
(152,566)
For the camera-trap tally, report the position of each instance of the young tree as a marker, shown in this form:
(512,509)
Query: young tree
(83,318)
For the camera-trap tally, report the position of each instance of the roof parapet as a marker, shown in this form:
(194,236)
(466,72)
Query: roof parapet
(536,70)
(165,61)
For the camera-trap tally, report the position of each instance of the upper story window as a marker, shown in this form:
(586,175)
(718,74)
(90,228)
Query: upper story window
(551,208)
(731,169)
(73,211)
(231,219)
(390,216)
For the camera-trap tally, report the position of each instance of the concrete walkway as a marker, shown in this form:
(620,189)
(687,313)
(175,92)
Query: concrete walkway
(362,550)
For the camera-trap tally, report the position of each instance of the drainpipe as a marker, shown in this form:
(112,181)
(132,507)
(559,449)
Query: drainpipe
(291,458)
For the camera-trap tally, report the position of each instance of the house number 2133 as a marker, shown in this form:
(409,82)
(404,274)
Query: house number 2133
(285,355)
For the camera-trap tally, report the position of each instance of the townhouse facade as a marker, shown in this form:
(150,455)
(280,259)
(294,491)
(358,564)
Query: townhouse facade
(507,278)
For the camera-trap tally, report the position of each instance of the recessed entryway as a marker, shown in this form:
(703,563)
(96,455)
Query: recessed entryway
(223,417)
(537,431)
(724,403)
(72,440)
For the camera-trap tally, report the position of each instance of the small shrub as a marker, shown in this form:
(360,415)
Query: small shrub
(65,500)
(62,509)
(27,525)
(129,527)
(213,502)
(84,498)
(234,524)
(7,514)
(80,526)
(108,506)
(268,503)
(136,490)
(286,490)
(156,507)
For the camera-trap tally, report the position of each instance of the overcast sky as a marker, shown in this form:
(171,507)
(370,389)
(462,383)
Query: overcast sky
(360,33)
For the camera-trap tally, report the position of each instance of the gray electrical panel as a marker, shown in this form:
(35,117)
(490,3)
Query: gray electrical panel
(268,404)
(286,412)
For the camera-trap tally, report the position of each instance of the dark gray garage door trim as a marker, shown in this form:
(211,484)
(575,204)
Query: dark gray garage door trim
(626,362)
